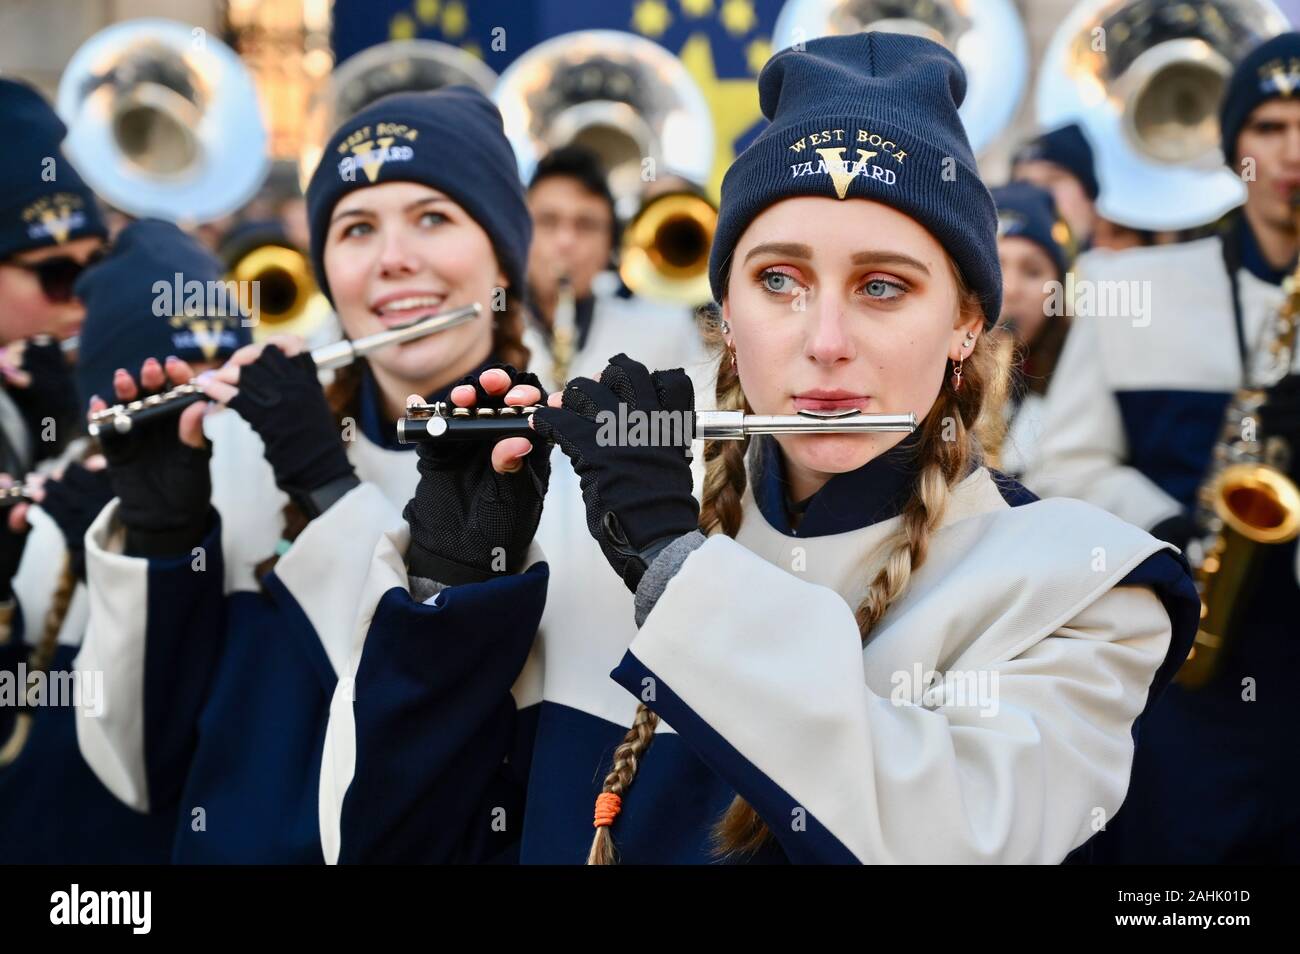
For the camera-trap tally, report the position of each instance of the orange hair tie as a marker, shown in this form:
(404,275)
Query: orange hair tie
(607,808)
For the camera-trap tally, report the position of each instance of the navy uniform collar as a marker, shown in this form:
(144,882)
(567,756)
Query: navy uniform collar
(878,490)
(374,424)
(1253,260)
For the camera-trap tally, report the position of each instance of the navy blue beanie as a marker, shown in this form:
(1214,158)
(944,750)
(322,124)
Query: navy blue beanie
(43,202)
(1270,71)
(156,294)
(871,116)
(1026,211)
(1068,148)
(451,139)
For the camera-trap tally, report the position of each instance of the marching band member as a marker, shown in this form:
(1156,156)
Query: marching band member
(1135,408)
(1032,244)
(50,229)
(219,673)
(575,236)
(770,711)
(52,806)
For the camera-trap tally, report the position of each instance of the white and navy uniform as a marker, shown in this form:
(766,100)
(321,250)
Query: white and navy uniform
(1134,409)
(660,335)
(53,810)
(754,661)
(217,684)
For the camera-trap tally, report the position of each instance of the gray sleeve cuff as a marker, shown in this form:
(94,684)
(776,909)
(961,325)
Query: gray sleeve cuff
(662,569)
(423,590)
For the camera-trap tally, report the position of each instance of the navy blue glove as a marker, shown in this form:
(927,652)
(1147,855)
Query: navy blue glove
(638,496)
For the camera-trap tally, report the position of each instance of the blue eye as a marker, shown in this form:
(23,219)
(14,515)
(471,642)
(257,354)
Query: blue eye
(779,283)
(351,230)
(432,218)
(880,289)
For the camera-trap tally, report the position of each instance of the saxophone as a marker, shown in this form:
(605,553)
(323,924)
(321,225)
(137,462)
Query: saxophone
(1246,502)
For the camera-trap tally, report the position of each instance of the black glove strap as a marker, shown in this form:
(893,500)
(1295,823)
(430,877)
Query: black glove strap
(315,502)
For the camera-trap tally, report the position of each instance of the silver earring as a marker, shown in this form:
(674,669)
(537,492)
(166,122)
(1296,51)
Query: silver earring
(726,328)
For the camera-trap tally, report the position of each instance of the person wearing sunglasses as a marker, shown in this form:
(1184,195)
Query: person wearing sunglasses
(50,231)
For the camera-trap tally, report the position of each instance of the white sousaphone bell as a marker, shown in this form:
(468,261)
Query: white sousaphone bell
(163,120)
(1145,80)
(986,36)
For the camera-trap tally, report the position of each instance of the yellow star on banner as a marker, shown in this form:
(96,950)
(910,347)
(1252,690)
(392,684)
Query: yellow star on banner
(738,16)
(697,8)
(757,53)
(733,103)
(401,27)
(426,11)
(454,20)
(651,17)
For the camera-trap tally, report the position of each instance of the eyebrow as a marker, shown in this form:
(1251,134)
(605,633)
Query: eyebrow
(407,208)
(881,257)
(792,249)
(868,257)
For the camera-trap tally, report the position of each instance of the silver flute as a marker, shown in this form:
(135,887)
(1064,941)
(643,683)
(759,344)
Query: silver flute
(122,417)
(440,421)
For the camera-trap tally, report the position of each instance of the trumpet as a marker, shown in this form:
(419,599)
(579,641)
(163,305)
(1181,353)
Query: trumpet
(120,418)
(440,421)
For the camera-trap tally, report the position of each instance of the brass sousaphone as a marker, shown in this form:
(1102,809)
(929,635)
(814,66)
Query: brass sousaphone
(163,121)
(986,36)
(1145,80)
(635,105)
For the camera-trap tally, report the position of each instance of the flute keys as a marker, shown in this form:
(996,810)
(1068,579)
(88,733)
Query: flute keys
(460,412)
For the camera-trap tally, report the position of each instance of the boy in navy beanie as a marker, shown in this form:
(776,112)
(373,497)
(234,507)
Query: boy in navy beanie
(874,116)
(1270,71)
(131,311)
(451,140)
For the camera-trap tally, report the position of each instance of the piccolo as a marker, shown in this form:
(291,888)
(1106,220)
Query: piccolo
(440,421)
(122,417)
(12,496)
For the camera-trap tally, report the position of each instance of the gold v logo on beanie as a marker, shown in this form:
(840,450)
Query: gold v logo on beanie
(370,150)
(370,158)
(1280,77)
(54,216)
(841,172)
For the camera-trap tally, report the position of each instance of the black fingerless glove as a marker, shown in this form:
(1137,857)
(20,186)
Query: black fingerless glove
(281,398)
(51,396)
(163,486)
(73,501)
(638,496)
(469,523)
(1279,416)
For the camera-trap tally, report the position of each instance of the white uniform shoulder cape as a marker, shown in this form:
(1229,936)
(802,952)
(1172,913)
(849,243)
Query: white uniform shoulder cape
(754,661)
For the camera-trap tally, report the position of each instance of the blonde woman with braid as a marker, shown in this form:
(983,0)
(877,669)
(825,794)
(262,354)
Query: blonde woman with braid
(852,649)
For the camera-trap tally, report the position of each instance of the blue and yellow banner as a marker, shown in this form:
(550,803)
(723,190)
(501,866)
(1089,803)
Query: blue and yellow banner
(723,43)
